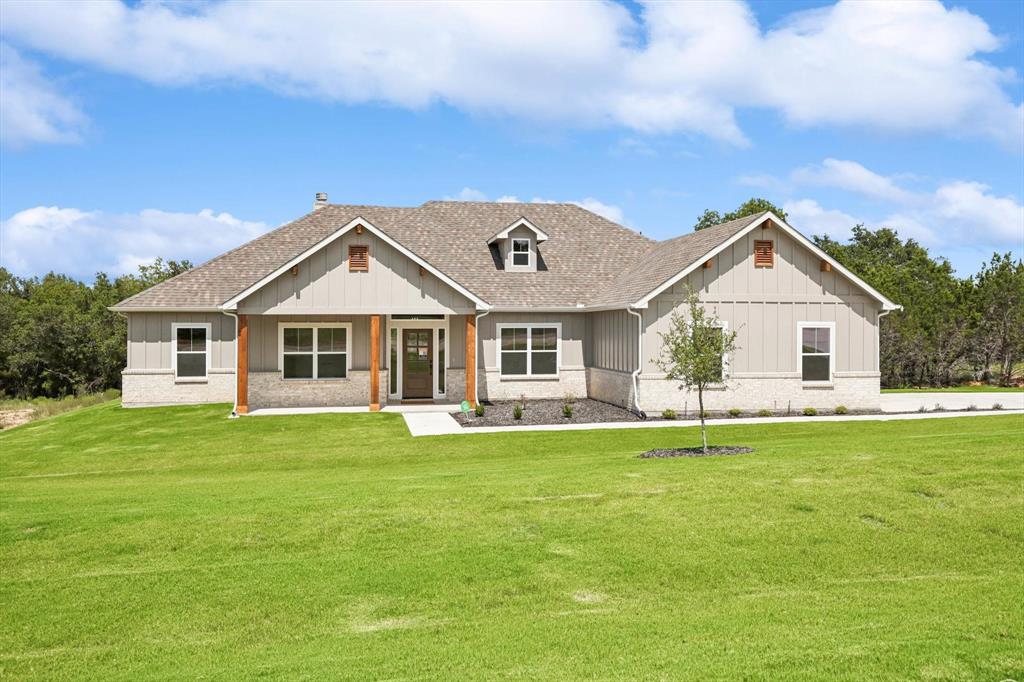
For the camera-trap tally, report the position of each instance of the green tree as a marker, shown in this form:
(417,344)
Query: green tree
(751,206)
(997,307)
(692,351)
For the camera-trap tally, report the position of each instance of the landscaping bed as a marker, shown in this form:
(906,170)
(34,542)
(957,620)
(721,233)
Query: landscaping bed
(697,452)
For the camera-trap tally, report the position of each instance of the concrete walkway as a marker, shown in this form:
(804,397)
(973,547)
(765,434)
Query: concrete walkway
(911,402)
(443,424)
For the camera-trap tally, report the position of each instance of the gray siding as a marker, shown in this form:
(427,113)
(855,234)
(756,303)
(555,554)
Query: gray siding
(573,335)
(324,284)
(149,339)
(613,340)
(763,305)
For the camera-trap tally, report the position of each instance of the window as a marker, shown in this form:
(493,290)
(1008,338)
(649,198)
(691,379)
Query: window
(529,350)
(440,361)
(315,351)
(816,350)
(521,252)
(764,253)
(358,258)
(723,368)
(191,357)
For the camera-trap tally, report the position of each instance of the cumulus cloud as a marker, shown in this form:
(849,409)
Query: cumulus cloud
(681,67)
(80,243)
(31,108)
(954,213)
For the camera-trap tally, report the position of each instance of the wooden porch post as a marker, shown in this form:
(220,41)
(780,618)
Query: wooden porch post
(374,363)
(471,359)
(242,370)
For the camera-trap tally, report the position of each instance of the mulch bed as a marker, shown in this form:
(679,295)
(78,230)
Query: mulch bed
(584,411)
(697,452)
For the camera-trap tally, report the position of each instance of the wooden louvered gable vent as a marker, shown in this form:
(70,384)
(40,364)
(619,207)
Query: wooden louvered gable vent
(358,258)
(764,253)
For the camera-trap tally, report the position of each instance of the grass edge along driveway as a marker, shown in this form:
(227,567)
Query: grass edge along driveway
(171,542)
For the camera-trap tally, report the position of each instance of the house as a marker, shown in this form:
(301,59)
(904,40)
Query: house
(365,305)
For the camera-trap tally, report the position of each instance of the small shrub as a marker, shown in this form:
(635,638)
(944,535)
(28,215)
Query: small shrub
(517,411)
(735,412)
(764,413)
(810,412)
(938,408)
(841,409)
(567,411)
(668,414)
(972,408)
(570,398)
(479,409)
(997,406)
(922,409)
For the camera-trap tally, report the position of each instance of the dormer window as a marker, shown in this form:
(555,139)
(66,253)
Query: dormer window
(521,252)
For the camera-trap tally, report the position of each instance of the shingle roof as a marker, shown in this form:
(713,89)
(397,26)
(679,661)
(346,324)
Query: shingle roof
(664,260)
(583,260)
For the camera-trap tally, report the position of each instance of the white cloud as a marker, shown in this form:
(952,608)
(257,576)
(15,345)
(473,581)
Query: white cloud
(852,177)
(808,216)
(80,243)
(954,213)
(683,67)
(32,109)
(613,213)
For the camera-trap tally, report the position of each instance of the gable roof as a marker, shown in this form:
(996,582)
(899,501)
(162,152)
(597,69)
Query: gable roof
(522,222)
(587,261)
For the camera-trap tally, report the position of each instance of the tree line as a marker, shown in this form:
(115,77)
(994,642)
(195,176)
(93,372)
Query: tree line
(57,337)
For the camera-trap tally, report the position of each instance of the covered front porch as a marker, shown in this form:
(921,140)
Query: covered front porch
(339,362)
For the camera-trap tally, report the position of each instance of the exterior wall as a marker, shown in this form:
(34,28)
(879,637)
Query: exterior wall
(775,393)
(393,284)
(610,386)
(142,388)
(268,389)
(571,373)
(263,339)
(763,306)
(613,339)
(149,339)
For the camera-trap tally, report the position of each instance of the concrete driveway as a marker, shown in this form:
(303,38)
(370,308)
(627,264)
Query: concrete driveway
(911,402)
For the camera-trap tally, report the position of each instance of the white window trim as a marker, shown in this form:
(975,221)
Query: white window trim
(435,325)
(529,326)
(512,252)
(800,326)
(175,326)
(347,326)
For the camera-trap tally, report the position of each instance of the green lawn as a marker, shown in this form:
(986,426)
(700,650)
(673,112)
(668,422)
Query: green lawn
(957,389)
(174,543)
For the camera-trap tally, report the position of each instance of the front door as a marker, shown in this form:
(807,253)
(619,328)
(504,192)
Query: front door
(417,363)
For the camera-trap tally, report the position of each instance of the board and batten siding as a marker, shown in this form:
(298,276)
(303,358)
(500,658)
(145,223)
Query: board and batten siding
(613,340)
(264,336)
(574,332)
(764,305)
(150,342)
(323,283)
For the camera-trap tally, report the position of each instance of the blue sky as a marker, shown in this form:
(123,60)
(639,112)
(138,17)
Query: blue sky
(136,131)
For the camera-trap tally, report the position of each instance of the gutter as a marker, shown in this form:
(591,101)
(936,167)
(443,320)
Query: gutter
(234,404)
(639,361)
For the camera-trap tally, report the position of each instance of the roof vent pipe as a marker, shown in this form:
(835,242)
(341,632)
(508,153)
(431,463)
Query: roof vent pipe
(320,201)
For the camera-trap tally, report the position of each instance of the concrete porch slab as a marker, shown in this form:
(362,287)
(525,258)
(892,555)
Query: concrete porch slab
(417,408)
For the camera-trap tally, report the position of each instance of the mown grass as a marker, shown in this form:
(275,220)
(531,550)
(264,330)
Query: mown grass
(959,389)
(174,543)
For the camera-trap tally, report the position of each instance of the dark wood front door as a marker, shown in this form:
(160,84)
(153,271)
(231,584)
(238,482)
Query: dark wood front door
(417,363)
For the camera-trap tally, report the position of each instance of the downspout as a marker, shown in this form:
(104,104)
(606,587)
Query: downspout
(476,372)
(234,405)
(639,361)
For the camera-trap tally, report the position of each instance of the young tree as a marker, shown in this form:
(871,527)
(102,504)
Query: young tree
(692,351)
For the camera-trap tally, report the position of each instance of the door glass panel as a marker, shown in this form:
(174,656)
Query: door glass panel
(393,365)
(440,361)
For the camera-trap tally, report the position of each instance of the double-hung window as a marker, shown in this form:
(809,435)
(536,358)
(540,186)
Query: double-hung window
(528,350)
(319,351)
(521,252)
(816,346)
(191,356)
